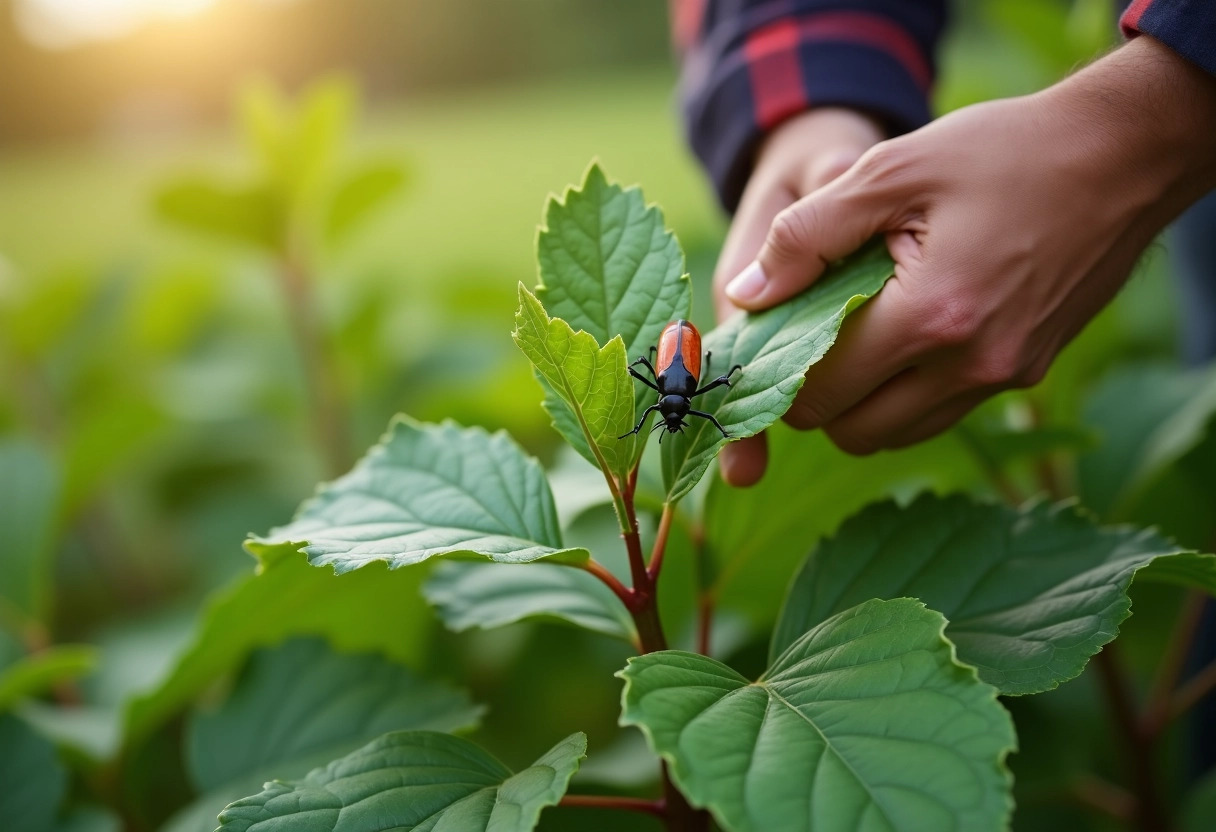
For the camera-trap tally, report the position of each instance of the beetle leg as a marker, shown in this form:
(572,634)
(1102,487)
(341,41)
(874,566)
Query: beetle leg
(642,378)
(710,418)
(645,362)
(645,413)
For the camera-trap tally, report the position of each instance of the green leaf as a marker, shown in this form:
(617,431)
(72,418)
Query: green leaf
(1030,594)
(425,491)
(414,780)
(592,382)
(359,195)
(776,348)
(609,267)
(38,672)
(371,609)
(476,595)
(865,722)
(29,496)
(757,537)
(250,215)
(34,780)
(299,706)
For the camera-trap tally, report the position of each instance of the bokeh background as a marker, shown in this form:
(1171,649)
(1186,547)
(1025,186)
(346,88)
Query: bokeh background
(237,236)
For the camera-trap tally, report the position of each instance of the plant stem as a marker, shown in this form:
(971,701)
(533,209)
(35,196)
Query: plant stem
(1095,793)
(1158,710)
(1190,692)
(1150,814)
(680,816)
(604,801)
(619,589)
(705,622)
(660,542)
(324,395)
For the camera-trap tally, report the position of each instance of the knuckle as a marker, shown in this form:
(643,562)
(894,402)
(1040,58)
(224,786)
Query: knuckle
(995,367)
(886,161)
(948,322)
(790,234)
(805,414)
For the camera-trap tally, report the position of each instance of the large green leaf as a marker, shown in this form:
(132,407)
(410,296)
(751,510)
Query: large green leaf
(591,381)
(424,491)
(486,595)
(1030,594)
(35,673)
(34,780)
(371,609)
(299,706)
(1199,806)
(609,267)
(757,537)
(29,495)
(867,722)
(413,780)
(776,348)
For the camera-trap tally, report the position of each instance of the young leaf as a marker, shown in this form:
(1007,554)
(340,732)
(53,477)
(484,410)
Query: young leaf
(359,195)
(1030,594)
(865,722)
(414,780)
(425,491)
(250,215)
(775,348)
(299,706)
(609,267)
(34,780)
(591,381)
(486,595)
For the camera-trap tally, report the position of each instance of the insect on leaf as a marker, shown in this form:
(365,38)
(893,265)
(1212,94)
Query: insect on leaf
(776,348)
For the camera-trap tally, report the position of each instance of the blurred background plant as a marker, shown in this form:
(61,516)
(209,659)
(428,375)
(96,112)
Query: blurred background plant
(198,322)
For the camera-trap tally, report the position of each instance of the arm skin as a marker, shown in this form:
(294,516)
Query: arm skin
(1012,223)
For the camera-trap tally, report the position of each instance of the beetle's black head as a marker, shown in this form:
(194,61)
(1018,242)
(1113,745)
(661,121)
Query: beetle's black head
(674,409)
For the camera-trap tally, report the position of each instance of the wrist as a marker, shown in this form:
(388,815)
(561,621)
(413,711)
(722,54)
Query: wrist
(813,147)
(1147,116)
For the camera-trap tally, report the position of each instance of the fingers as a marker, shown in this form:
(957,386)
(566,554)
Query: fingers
(872,348)
(827,225)
(752,221)
(742,463)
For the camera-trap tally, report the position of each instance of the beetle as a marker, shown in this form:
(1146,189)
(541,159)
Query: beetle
(676,377)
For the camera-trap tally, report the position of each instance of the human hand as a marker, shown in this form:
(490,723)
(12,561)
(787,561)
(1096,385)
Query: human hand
(801,155)
(1011,224)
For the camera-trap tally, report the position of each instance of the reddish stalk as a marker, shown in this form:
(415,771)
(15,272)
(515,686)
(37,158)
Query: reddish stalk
(1150,813)
(1103,797)
(1159,709)
(1191,691)
(660,542)
(705,622)
(657,808)
(619,589)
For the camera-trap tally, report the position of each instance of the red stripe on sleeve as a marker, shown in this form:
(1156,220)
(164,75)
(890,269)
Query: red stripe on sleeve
(776,76)
(1130,22)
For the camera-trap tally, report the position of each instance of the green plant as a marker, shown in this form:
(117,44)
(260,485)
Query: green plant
(879,706)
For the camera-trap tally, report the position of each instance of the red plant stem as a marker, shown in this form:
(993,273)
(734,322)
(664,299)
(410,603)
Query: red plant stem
(680,816)
(604,801)
(705,622)
(1190,692)
(660,542)
(1159,708)
(1106,798)
(619,589)
(1150,814)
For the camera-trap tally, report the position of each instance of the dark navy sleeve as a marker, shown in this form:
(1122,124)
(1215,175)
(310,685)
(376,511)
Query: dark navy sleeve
(1186,26)
(750,64)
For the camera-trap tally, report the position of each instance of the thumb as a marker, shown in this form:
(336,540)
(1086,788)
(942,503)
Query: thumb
(825,226)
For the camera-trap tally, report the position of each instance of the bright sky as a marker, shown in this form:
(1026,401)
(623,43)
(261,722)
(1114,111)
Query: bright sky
(61,24)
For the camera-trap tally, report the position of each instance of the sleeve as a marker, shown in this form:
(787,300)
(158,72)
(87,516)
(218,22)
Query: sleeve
(750,64)
(1186,26)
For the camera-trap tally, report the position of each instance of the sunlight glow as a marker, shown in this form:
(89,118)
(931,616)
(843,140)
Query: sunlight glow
(61,24)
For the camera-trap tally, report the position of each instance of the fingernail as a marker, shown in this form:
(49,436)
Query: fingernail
(748,285)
